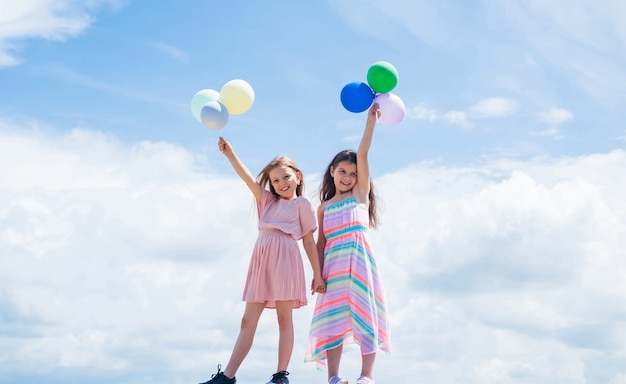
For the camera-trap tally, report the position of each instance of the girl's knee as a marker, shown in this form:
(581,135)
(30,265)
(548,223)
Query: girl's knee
(248,322)
(284,321)
(251,315)
(284,316)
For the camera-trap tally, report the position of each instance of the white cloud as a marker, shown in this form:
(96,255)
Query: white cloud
(456,118)
(494,107)
(50,20)
(126,262)
(422,112)
(490,108)
(508,249)
(555,116)
(172,51)
(553,132)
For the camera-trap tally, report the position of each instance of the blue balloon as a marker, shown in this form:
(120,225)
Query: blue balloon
(357,97)
(214,115)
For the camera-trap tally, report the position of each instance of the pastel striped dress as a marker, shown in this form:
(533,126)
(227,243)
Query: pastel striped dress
(353,309)
(276,272)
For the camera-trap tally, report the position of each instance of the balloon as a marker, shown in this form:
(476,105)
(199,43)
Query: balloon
(214,115)
(200,98)
(382,77)
(392,108)
(356,97)
(237,95)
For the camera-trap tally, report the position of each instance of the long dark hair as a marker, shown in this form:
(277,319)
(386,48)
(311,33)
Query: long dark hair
(327,189)
(263,178)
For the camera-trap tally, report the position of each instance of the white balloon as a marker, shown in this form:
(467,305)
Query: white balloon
(392,108)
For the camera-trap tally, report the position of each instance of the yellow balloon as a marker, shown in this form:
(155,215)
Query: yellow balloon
(237,96)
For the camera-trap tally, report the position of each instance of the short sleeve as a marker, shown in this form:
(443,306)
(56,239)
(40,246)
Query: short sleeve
(266,198)
(308,221)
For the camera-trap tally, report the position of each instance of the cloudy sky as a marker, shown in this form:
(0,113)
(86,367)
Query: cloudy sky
(125,235)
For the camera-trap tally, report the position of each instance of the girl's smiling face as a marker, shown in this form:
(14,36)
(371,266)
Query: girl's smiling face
(284,180)
(344,176)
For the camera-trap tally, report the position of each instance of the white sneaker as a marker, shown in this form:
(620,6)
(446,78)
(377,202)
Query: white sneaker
(337,380)
(364,380)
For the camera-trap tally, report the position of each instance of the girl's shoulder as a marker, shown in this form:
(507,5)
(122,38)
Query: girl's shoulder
(321,209)
(300,203)
(302,200)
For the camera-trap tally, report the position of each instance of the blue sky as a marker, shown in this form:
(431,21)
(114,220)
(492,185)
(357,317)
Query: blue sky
(125,236)
(478,81)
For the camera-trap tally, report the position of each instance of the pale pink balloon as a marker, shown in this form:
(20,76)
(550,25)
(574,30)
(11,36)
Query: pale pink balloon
(392,108)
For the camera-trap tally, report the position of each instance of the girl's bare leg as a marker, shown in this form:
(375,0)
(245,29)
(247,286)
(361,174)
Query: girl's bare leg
(249,322)
(367,365)
(284,311)
(334,358)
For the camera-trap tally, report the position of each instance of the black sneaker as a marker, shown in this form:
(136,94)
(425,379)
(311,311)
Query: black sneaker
(220,378)
(279,378)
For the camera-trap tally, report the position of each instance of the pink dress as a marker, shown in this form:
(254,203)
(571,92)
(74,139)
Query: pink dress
(276,272)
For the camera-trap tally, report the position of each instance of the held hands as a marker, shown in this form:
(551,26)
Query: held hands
(318,285)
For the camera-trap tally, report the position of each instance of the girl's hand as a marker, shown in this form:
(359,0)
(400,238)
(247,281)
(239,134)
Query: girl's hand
(224,146)
(318,285)
(374,113)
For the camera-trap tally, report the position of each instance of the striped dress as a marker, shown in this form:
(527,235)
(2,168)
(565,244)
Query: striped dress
(353,309)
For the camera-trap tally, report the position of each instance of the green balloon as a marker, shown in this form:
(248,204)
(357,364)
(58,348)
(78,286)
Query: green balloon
(382,77)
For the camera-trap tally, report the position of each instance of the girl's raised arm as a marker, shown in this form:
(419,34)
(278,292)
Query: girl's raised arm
(362,188)
(240,168)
